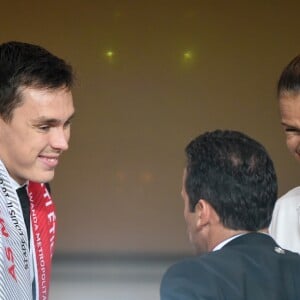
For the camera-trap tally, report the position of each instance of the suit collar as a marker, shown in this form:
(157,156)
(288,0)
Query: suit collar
(223,243)
(252,238)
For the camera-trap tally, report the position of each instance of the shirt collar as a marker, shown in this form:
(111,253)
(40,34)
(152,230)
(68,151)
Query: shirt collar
(15,185)
(223,243)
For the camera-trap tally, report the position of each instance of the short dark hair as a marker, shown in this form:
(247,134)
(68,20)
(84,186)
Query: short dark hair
(289,80)
(235,174)
(25,65)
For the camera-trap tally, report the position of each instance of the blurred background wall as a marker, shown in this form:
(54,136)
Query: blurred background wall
(151,75)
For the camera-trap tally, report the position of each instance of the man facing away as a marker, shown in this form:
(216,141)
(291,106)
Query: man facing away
(36,108)
(285,225)
(229,191)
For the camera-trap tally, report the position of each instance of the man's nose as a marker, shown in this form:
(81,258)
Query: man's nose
(60,139)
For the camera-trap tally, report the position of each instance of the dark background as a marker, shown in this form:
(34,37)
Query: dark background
(178,68)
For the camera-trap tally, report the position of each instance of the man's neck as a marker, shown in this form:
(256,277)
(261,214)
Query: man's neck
(224,236)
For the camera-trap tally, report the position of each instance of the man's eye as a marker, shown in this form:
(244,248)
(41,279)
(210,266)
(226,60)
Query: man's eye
(67,124)
(292,130)
(44,127)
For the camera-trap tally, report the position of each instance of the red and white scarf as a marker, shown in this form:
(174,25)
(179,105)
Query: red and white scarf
(15,256)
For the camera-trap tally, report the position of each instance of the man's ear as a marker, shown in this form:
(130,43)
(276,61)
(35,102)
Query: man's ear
(203,213)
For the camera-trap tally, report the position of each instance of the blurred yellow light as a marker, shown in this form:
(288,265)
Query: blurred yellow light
(109,54)
(187,55)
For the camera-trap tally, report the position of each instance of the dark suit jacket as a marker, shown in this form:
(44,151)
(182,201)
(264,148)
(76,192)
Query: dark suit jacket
(250,267)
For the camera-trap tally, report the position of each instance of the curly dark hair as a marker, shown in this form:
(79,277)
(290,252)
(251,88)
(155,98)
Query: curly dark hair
(235,174)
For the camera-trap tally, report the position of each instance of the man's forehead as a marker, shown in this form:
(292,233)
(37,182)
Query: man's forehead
(289,99)
(27,90)
(290,112)
(47,105)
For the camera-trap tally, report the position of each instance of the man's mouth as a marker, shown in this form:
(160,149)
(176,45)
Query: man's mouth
(49,161)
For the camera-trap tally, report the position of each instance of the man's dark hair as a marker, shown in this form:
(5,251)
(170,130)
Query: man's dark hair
(235,174)
(25,65)
(289,81)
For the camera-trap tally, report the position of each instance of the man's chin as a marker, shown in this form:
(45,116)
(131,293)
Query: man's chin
(43,177)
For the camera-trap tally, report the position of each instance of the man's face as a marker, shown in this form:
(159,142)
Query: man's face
(38,133)
(289,105)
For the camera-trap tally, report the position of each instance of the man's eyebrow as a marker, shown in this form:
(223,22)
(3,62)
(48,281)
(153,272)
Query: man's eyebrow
(290,127)
(47,120)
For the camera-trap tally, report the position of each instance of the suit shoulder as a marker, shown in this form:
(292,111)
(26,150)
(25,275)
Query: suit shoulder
(178,282)
(188,264)
(189,278)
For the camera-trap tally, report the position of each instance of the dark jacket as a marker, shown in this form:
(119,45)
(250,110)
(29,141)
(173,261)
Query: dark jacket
(250,267)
